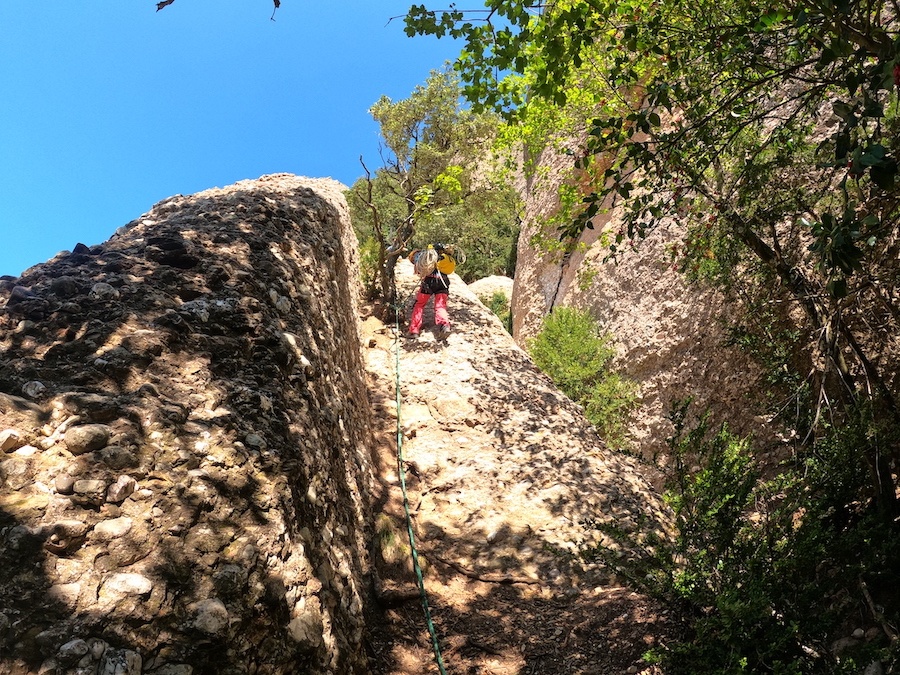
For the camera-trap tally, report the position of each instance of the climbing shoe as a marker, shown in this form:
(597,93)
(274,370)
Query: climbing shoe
(443,331)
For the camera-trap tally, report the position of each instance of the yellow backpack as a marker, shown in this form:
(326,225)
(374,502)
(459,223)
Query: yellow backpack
(446,263)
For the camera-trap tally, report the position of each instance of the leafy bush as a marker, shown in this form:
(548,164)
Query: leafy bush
(368,266)
(498,303)
(572,351)
(766,573)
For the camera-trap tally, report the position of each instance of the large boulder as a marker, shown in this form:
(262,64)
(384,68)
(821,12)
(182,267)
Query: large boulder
(487,287)
(186,473)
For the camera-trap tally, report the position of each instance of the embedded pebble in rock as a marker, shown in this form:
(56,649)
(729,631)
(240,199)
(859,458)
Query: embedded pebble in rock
(120,662)
(86,438)
(64,484)
(306,629)
(64,286)
(103,292)
(117,457)
(34,389)
(10,440)
(171,427)
(89,491)
(72,651)
(98,648)
(67,594)
(26,451)
(20,294)
(230,580)
(124,584)
(121,489)
(16,472)
(69,529)
(106,530)
(209,616)
(205,540)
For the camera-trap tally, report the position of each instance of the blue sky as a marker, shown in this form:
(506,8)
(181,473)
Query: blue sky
(107,106)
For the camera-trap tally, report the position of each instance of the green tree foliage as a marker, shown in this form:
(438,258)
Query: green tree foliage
(763,571)
(577,357)
(769,131)
(436,183)
(485,223)
(498,303)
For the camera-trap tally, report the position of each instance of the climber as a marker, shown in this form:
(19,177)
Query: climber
(433,264)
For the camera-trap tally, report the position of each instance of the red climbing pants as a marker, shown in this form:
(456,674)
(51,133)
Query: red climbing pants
(441,317)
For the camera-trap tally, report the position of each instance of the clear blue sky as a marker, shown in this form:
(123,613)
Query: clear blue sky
(107,106)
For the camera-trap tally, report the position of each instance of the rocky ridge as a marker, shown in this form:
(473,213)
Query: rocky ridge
(185,466)
(509,486)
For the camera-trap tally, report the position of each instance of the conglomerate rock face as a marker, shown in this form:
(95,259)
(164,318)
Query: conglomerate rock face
(185,467)
(670,334)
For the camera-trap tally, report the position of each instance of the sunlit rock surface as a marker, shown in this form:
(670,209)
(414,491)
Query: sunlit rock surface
(183,424)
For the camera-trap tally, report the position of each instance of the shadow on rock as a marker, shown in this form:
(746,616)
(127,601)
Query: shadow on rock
(186,467)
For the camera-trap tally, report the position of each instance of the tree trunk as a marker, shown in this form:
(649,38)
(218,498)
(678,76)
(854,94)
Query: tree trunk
(831,328)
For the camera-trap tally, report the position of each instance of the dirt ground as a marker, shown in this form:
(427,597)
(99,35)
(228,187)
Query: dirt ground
(506,484)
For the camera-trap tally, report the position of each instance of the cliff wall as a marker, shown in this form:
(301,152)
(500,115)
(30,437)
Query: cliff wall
(670,333)
(185,473)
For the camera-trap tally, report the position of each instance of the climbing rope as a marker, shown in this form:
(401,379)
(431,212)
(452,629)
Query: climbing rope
(402,473)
